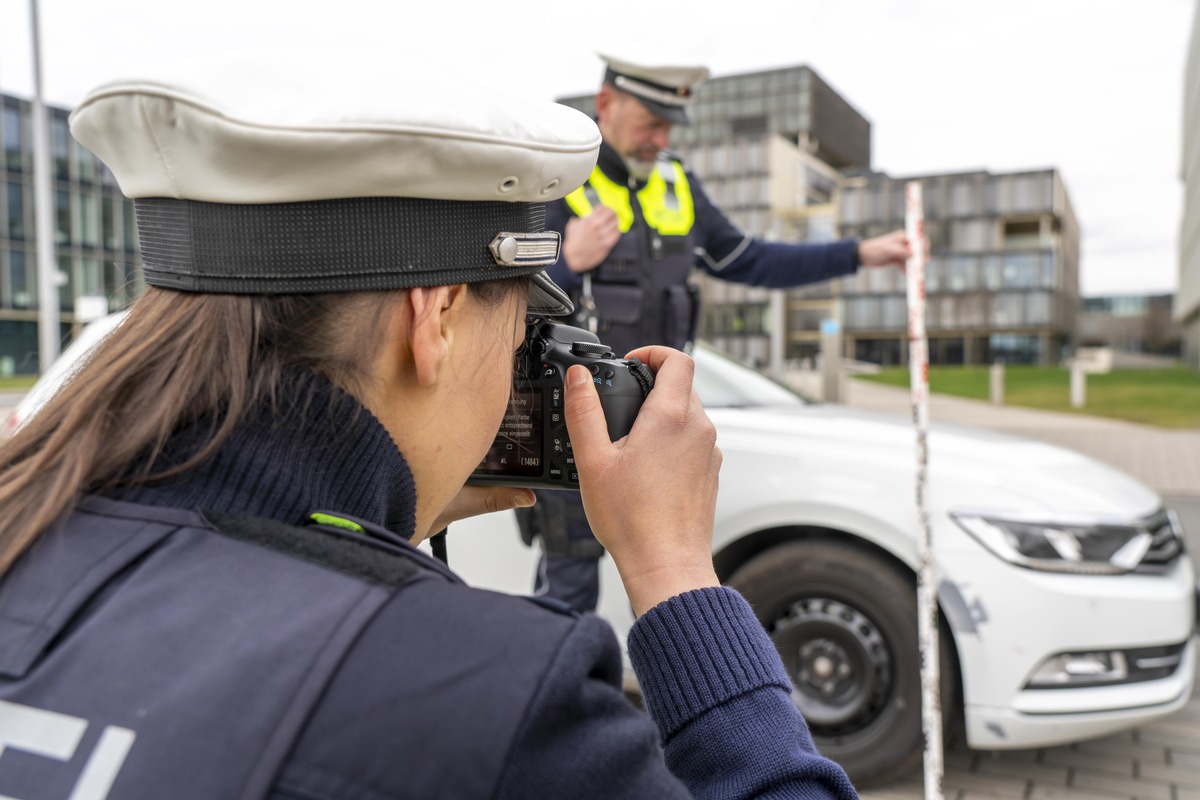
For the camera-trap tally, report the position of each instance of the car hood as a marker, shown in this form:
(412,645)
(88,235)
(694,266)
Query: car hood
(980,469)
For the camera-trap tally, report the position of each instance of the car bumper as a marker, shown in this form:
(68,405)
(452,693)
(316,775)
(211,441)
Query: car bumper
(1007,621)
(1042,718)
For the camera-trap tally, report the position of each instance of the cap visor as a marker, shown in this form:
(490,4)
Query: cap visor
(676,115)
(546,298)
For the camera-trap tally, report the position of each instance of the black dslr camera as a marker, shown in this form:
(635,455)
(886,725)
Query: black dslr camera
(532,448)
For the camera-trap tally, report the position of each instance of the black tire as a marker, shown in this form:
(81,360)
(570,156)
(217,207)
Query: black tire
(844,620)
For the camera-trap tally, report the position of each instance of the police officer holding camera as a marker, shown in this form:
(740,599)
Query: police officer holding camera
(209,579)
(631,237)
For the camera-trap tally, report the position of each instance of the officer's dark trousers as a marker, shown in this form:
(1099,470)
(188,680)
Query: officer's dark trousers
(569,569)
(575,581)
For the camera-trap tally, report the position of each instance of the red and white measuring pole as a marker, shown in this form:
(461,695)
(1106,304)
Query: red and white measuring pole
(927,619)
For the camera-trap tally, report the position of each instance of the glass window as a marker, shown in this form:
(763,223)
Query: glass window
(67,283)
(108,228)
(1031,192)
(850,202)
(62,213)
(15,195)
(1021,270)
(933,275)
(127,220)
(962,201)
(873,204)
(60,138)
(971,235)
(87,220)
(718,161)
(134,280)
(947,311)
(13,138)
(1038,308)
(961,274)
(1047,271)
(897,203)
(86,163)
(972,310)
(882,280)
(894,312)
(993,272)
(931,194)
(89,276)
(861,313)
(1013,349)
(18,279)
(1007,310)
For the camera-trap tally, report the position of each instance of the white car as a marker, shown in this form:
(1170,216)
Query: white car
(1066,598)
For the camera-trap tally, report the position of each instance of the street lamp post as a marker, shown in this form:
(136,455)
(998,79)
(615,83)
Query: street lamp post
(47,266)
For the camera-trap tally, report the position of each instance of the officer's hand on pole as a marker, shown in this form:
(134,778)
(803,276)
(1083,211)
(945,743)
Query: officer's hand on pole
(890,249)
(651,496)
(587,241)
(474,500)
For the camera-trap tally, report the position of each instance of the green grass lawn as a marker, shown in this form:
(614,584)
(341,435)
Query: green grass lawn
(18,383)
(1168,398)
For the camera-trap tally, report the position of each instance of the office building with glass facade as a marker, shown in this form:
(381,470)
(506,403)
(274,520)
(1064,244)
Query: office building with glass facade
(1002,282)
(95,237)
(787,159)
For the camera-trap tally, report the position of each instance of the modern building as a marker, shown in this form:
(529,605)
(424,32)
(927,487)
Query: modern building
(1130,323)
(788,159)
(1187,300)
(1002,282)
(95,238)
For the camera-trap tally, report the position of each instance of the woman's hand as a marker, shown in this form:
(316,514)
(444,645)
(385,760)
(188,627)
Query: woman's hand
(474,500)
(650,497)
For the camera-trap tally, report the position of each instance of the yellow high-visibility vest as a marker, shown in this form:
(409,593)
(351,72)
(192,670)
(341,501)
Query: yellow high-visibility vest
(665,200)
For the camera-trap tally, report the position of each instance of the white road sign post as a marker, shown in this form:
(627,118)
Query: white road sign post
(927,623)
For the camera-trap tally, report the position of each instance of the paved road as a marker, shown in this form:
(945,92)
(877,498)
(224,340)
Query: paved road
(1159,761)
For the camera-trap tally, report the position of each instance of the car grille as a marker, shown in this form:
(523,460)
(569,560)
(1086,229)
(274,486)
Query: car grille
(1166,546)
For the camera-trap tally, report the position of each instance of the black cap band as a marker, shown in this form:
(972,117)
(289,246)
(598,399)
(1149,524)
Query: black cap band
(351,244)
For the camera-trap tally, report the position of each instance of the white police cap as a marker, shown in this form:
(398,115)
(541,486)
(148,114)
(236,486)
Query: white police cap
(666,90)
(336,172)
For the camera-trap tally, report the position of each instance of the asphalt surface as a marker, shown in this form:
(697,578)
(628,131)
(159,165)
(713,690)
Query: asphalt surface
(1158,761)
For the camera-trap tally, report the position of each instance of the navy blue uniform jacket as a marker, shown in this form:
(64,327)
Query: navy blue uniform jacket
(446,692)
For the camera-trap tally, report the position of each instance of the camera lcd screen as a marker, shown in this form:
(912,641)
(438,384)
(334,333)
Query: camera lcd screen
(517,449)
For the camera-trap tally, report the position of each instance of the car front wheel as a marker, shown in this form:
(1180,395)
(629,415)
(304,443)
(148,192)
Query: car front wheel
(845,623)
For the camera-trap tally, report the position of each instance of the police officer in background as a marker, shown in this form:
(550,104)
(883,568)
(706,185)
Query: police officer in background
(631,237)
(209,585)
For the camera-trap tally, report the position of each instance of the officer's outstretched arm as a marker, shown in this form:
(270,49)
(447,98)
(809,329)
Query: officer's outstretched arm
(651,496)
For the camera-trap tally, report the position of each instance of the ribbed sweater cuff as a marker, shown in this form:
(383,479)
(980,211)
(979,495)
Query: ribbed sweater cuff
(698,650)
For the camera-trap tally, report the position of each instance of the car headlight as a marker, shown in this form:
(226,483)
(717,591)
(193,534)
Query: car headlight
(1089,549)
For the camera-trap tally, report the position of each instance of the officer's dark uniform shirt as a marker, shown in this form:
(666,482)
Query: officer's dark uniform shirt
(185,639)
(654,312)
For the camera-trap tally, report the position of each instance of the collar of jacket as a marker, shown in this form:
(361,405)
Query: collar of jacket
(319,448)
(611,164)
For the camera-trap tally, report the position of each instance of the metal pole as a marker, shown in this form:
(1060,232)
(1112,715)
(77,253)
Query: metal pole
(927,622)
(47,265)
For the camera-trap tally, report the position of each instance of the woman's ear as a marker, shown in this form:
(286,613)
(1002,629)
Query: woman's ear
(431,319)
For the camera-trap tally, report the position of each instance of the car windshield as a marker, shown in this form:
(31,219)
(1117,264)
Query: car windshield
(722,382)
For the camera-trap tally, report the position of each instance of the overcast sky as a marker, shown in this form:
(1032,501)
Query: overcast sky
(1091,87)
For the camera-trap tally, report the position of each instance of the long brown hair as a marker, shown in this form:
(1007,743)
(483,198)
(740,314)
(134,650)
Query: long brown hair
(176,359)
